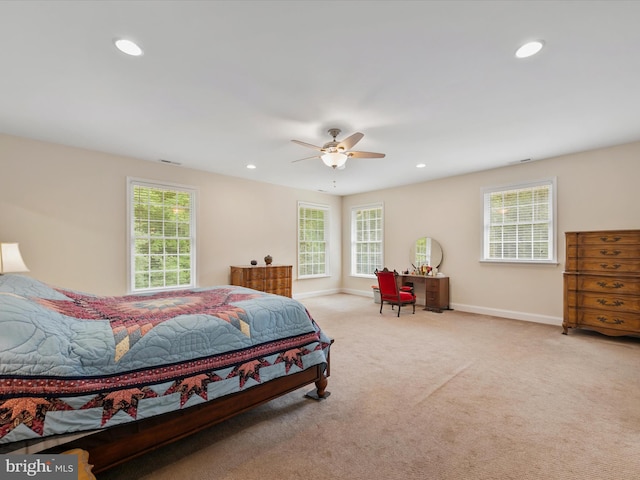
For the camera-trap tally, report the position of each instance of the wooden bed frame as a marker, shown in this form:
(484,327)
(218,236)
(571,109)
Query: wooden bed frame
(116,445)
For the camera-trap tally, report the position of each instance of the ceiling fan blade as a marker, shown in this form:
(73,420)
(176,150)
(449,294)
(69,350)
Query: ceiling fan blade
(351,140)
(305,158)
(365,155)
(308,145)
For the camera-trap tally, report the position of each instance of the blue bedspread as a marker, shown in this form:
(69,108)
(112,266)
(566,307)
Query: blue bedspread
(71,361)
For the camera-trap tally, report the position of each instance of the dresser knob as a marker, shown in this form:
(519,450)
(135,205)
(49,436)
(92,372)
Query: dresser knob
(611,253)
(615,303)
(610,239)
(615,321)
(615,285)
(606,266)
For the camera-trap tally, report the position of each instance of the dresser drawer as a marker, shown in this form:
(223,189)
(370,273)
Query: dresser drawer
(254,284)
(604,238)
(610,302)
(284,292)
(606,285)
(605,265)
(629,322)
(609,251)
(277,272)
(275,284)
(254,274)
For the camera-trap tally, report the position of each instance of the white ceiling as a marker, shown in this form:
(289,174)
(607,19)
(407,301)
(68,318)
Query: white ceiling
(225,83)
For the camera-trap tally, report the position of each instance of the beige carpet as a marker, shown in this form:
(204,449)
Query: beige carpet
(433,396)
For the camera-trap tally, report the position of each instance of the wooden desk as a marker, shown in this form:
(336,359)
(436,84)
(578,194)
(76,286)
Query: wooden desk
(435,290)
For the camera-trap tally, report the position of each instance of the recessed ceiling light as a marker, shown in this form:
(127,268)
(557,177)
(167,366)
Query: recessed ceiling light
(128,47)
(421,165)
(251,166)
(529,49)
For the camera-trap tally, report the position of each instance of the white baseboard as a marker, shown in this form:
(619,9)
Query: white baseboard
(318,293)
(494,312)
(360,293)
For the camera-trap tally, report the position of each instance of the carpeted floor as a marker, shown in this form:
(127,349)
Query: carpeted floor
(433,396)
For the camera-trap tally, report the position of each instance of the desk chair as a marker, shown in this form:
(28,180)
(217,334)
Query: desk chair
(391,293)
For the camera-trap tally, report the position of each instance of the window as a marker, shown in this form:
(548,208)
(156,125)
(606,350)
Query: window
(366,240)
(313,234)
(422,251)
(519,223)
(161,236)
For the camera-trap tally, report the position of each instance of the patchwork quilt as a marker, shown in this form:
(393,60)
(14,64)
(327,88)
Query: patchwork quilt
(72,361)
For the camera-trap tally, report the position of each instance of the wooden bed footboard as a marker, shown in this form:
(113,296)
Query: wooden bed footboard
(121,443)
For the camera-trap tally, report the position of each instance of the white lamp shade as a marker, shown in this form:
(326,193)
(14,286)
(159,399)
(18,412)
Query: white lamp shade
(10,259)
(334,159)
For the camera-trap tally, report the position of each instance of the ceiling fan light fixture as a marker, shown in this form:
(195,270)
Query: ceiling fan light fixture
(334,159)
(335,153)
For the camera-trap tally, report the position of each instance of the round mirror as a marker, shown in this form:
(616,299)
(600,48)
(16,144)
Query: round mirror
(426,251)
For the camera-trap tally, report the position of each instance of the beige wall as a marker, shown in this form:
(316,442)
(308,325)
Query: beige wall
(596,190)
(67,209)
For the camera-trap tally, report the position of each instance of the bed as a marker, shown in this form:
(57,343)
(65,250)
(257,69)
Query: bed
(121,376)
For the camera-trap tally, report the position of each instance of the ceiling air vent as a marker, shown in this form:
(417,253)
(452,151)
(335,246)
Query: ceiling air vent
(170,162)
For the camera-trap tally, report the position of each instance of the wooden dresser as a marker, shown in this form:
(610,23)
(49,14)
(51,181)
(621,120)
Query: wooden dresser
(602,281)
(266,278)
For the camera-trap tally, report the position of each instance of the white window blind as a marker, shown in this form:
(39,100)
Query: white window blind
(162,236)
(519,223)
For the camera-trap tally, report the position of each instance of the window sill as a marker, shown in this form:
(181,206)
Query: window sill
(521,262)
(309,277)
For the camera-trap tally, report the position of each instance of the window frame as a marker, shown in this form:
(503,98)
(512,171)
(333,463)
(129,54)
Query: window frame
(355,243)
(131,237)
(551,223)
(326,214)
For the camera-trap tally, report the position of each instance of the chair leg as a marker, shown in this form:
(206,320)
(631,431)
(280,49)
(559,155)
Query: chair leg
(381,303)
(399,307)
(414,308)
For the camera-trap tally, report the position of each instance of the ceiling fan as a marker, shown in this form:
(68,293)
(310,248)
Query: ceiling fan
(334,154)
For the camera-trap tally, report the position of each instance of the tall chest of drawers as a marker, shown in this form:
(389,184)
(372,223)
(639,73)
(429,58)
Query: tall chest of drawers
(270,278)
(602,282)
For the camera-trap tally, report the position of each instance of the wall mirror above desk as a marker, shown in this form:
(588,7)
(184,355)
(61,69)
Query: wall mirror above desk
(426,251)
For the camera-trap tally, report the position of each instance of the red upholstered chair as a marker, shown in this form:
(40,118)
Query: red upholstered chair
(391,293)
